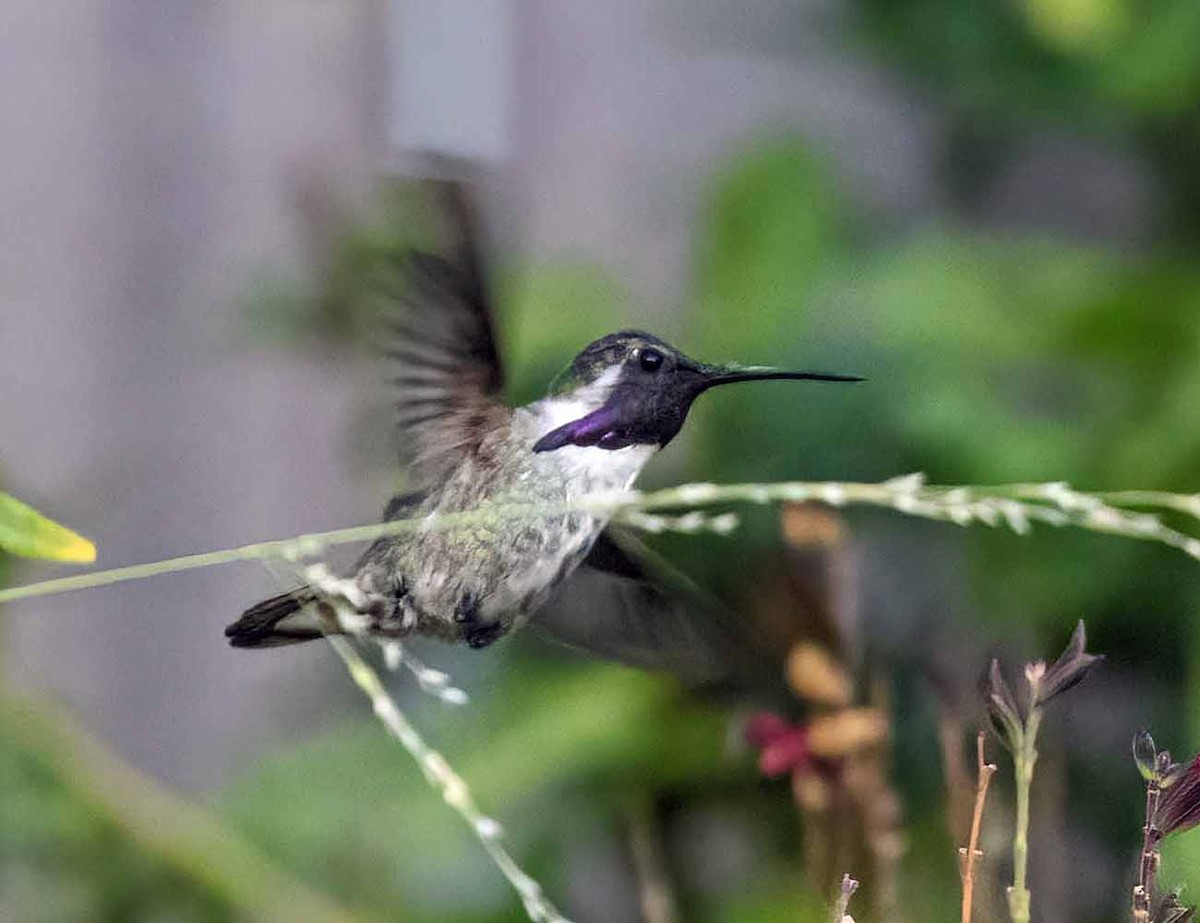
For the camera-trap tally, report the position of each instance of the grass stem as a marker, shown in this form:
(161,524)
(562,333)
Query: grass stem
(453,788)
(1016,506)
(1024,759)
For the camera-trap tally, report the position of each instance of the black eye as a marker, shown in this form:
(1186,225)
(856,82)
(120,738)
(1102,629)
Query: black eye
(651,360)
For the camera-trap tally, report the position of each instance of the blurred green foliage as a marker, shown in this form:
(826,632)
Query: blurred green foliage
(539,743)
(1090,62)
(63,860)
(1124,70)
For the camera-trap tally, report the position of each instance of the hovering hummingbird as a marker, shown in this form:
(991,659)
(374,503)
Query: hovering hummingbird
(621,400)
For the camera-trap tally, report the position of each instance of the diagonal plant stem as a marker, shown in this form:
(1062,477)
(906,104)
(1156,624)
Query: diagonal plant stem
(1188,504)
(441,776)
(1016,506)
(315,543)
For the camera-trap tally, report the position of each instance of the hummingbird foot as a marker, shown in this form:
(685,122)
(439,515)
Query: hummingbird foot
(475,630)
(392,613)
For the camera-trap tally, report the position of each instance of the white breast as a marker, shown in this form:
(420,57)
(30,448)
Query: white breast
(576,470)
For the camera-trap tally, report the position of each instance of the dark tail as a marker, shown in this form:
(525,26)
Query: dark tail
(286,619)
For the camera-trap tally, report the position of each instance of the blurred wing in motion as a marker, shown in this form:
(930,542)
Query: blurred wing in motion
(625,604)
(443,352)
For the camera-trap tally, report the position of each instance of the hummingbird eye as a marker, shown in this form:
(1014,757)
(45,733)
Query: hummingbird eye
(651,360)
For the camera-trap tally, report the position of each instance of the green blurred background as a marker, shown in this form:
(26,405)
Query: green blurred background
(990,210)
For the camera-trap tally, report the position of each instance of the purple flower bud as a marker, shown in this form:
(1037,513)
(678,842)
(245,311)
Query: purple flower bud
(1068,670)
(1001,705)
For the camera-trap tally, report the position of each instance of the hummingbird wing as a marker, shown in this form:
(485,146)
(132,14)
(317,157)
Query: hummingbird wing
(446,367)
(625,603)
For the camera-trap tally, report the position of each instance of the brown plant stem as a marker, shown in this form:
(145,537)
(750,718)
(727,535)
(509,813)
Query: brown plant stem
(972,853)
(655,894)
(960,786)
(1148,866)
(882,819)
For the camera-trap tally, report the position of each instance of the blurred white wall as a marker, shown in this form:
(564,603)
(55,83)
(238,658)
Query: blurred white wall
(151,159)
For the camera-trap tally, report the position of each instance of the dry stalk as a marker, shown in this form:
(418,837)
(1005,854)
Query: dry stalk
(1148,864)
(882,815)
(969,855)
(655,894)
(446,781)
(960,784)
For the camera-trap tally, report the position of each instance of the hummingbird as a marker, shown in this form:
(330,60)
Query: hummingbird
(621,400)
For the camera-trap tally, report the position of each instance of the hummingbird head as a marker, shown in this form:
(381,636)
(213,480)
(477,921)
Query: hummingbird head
(632,388)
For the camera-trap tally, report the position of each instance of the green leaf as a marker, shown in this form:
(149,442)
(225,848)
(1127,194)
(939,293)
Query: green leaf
(772,225)
(548,312)
(25,531)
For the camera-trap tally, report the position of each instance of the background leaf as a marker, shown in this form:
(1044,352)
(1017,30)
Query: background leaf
(25,531)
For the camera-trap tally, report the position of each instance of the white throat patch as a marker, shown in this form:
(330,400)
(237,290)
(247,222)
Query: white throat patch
(601,469)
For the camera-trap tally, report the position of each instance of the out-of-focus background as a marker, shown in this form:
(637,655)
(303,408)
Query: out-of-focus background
(991,210)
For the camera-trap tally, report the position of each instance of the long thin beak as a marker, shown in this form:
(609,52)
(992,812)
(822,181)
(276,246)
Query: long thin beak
(728,374)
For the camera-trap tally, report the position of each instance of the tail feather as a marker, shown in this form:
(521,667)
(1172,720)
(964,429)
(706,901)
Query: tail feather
(285,619)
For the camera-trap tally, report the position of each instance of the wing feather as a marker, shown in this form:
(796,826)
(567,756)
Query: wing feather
(440,342)
(625,604)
